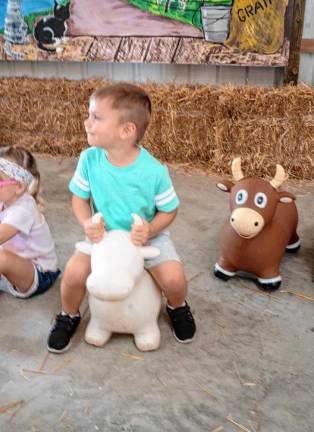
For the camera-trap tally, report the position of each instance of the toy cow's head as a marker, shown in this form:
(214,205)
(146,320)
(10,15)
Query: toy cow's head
(116,264)
(253,201)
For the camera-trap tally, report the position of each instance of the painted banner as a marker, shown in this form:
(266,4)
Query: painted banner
(241,32)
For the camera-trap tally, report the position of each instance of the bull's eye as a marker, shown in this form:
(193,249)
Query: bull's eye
(260,200)
(241,196)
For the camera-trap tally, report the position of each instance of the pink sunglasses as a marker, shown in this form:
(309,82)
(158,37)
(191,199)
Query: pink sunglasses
(7,182)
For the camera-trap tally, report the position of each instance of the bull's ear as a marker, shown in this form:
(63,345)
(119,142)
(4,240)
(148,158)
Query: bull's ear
(84,247)
(225,185)
(286,197)
(150,252)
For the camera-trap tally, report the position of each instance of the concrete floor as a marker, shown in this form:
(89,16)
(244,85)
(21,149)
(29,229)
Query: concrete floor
(250,368)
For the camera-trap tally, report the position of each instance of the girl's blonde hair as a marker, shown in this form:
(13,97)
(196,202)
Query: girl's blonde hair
(24,158)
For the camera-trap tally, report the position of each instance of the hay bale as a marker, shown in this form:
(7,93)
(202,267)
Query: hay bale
(199,125)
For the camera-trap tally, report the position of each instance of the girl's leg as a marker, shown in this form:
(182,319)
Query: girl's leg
(19,271)
(73,286)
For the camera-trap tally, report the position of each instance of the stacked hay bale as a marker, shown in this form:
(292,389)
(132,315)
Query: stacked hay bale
(198,125)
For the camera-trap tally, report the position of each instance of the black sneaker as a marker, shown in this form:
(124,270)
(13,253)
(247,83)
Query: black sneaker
(183,323)
(61,332)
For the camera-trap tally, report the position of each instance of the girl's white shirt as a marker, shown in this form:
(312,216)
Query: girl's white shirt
(34,240)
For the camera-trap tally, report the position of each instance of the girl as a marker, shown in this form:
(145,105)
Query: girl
(28,262)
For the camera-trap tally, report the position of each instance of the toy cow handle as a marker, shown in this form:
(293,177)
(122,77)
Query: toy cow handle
(137,219)
(97,217)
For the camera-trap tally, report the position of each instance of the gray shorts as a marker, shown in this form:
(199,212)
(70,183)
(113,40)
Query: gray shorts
(167,249)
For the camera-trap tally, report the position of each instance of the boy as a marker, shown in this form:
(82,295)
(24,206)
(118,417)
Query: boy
(122,178)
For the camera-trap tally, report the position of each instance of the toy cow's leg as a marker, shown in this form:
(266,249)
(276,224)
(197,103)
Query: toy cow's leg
(294,243)
(269,280)
(148,339)
(224,270)
(95,335)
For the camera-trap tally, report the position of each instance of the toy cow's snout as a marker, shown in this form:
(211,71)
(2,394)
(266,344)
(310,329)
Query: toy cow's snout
(112,289)
(246,222)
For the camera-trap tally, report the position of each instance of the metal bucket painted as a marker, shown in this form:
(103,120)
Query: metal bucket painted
(216,22)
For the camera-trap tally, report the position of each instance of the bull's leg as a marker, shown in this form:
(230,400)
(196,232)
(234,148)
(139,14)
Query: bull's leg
(95,335)
(294,244)
(224,270)
(269,280)
(148,339)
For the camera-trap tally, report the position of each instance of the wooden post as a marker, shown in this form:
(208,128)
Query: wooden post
(291,72)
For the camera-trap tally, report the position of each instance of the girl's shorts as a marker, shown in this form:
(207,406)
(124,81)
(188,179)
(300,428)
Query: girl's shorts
(166,247)
(43,280)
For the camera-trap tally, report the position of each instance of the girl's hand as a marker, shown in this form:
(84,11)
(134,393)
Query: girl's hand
(140,233)
(94,231)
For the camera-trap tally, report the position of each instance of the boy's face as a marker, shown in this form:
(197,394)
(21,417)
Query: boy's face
(103,126)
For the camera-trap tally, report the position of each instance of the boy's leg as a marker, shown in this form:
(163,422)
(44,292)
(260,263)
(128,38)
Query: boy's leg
(169,275)
(73,288)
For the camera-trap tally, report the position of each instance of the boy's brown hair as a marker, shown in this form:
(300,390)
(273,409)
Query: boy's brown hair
(131,101)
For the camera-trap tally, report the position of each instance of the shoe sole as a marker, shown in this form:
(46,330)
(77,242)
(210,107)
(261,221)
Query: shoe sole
(63,350)
(186,341)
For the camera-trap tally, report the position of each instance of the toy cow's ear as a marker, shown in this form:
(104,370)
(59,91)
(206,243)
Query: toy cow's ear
(150,252)
(84,247)
(286,197)
(225,185)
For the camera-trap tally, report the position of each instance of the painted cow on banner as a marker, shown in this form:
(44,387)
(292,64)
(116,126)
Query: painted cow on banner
(123,297)
(262,226)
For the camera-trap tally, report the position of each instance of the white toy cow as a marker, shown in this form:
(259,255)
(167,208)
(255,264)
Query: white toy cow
(123,297)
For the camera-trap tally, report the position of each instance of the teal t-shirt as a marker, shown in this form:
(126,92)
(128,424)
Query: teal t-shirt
(143,187)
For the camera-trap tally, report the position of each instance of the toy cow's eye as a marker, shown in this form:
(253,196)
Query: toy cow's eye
(241,196)
(260,200)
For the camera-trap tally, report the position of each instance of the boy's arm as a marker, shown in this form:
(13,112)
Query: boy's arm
(141,233)
(161,221)
(81,209)
(83,213)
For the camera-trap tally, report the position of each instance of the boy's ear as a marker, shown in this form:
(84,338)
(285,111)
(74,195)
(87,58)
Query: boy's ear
(128,129)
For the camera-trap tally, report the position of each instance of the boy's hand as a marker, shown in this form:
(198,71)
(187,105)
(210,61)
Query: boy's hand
(94,231)
(140,233)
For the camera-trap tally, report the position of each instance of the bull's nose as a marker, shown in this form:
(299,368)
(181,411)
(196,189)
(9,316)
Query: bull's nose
(246,222)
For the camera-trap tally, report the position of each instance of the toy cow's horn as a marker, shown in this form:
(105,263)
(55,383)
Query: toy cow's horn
(279,178)
(137,219)
(236,169)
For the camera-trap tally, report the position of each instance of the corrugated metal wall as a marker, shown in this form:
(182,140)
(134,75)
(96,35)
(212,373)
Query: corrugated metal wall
(168,73)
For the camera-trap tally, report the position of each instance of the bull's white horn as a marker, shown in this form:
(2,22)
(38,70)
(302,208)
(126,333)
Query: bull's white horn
(279,178)
(236,169)
(137,219)
(97,217)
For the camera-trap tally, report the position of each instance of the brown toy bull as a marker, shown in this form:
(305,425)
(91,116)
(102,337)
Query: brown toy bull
(262,226)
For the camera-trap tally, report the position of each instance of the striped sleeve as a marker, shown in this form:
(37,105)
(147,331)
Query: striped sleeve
(166,199)
(79,184)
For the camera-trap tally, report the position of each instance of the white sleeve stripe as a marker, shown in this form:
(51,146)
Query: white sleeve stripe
(164,194)
(81,179)
(167,200)
(82,184)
